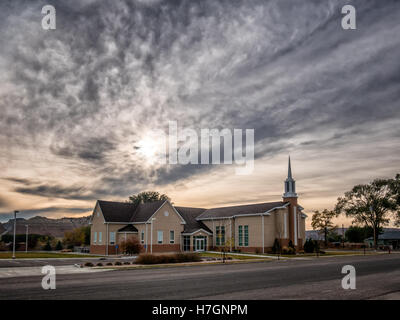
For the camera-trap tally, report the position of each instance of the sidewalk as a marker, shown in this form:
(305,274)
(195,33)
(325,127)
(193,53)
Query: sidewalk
(37,271)
(260,256)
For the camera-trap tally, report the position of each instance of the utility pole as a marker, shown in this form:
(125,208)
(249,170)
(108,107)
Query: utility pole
(15,228)
(26,241)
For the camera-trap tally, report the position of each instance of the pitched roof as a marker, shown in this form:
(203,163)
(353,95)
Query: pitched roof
(116,211)
(128,228)
(144,211)
(127,212)
(190,215)
(388,235)
(225,212)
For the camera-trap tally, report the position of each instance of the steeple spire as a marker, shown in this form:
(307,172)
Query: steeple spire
(290,184)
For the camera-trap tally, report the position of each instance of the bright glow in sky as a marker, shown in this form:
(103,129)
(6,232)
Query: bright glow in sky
(79,104)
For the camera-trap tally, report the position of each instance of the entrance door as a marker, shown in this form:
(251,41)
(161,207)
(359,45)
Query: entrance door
(200,244)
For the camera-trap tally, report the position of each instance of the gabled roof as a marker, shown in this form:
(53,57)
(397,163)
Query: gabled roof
(125,212)
(388,235)
(116,211)
(248,209)
(128,228)
(144,211)
(190,215)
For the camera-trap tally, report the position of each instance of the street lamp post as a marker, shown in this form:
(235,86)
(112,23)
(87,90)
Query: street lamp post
(151,234)
(26,241)
(15,227)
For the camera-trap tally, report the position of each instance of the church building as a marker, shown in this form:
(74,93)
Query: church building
(163,227)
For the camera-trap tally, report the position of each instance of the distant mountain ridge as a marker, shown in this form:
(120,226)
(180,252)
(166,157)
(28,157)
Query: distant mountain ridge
(317,235)
(44,226)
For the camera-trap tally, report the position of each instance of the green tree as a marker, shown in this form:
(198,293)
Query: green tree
(77,237)
(359,234)
(394,185)
(59,246)
(309,246)
(147,196)
(131,246)
(333,236)
(47,246)
(86,233)
(322,221)
(276,248)
(371,204)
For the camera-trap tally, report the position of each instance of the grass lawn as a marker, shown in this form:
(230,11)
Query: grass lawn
(237,257)
(42,255)
(327,253)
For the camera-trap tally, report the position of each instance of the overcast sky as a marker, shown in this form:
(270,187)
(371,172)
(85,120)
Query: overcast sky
(79,104)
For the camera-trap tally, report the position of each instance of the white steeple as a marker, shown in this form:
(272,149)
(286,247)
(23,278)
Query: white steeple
(290,184)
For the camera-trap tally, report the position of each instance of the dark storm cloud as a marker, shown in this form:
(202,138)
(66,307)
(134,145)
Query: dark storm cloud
(112,71)
(55,191)
(91,149)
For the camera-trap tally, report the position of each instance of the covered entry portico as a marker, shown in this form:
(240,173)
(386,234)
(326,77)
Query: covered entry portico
(197,241)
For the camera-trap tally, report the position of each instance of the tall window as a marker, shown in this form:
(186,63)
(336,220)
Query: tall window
(160,236)
(100,236)
(142,237)
(112,237)
(220,233)
(186,243)
(243,236)
(246,236)
(95,237)
(172,236)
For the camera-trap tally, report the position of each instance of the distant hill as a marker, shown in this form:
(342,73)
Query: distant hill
(45,226)
(316,235)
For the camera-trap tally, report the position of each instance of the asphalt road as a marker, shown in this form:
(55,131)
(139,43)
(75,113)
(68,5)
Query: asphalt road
(378,277)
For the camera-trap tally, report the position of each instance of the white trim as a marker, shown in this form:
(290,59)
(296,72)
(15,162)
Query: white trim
(127,231)
(298,227)
(147,241)
(170,237)
(235,216)
(266,213)
(183,220)
(94,211)
(295,224)
(214,240)
(107,242)
(119,222)
(262,223)
(201,229)
(285,223)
